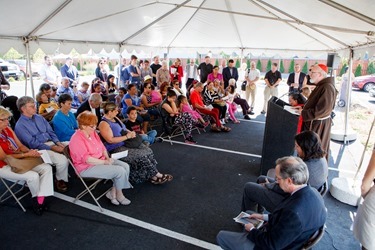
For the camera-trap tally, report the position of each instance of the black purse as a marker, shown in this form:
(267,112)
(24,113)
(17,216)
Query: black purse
(131,142)
(244,83)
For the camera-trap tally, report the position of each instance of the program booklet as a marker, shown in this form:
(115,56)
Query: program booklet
(243,218)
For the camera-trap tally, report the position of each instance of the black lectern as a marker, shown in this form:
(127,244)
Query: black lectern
(278,141)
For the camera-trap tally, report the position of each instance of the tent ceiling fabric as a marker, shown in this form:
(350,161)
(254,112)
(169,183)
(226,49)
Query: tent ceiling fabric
(309,26)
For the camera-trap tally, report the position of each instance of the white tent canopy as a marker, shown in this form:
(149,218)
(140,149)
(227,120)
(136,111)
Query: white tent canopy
(243,26)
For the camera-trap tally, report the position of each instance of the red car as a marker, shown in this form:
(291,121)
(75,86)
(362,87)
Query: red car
(364,82)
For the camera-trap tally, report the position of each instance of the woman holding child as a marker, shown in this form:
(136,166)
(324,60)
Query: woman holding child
(141,159)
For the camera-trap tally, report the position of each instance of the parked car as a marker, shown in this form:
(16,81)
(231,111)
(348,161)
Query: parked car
(364,82)
(10,70)
(372,92)
(22,65)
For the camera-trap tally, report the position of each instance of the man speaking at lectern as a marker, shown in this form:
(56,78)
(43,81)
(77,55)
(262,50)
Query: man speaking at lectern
(316,113)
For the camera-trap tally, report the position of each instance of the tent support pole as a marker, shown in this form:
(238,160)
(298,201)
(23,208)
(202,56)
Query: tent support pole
(29,66)
(348,95)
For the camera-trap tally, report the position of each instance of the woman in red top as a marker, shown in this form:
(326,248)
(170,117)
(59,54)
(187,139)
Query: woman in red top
(197,103)
(176,71)
(39,179)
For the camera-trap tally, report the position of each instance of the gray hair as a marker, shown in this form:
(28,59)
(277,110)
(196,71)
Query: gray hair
(95,97)
(293,168)
(23,101)
(232,81)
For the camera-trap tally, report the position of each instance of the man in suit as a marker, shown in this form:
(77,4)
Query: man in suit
(92,105)
(70,72)
(292,222)
(297,79)
(230,72)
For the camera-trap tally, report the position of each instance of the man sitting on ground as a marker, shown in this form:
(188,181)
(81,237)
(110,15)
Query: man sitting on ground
(35,132)
(293,221)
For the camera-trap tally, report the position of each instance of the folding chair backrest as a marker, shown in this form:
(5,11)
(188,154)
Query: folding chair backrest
(314,239)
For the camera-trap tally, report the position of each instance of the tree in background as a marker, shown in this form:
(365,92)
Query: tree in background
(248,63)
(238,63)
(12,54)
(170,62)
(188,61)
(78,66)
(269,63)
(291,66)
(342,71)
(371,68)
(216,62)
(358,70)
(197,61)
(38,56)
(305,68)
(110,65)
(281,66)
(259,65)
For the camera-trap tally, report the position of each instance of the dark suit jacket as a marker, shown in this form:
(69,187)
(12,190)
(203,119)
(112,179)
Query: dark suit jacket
(227,75)
(292,222)
(300,80)
(86,106)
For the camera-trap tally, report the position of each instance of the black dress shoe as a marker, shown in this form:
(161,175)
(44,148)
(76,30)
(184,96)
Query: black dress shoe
(246,117)
(38,209)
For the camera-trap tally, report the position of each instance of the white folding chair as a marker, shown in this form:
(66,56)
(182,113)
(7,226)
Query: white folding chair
(89,188)
(11,191)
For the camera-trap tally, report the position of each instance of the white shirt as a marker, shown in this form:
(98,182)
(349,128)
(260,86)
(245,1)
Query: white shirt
(49,72)
(191,71)
(253,73)
(296,77)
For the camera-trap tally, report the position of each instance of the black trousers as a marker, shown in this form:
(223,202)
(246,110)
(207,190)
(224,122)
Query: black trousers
(243,103)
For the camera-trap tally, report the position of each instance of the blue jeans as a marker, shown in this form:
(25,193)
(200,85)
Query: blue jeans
(150,136)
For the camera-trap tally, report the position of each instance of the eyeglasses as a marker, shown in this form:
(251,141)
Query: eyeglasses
(6,119)
(278,178)
(92,126)
(148,88)
(312,72)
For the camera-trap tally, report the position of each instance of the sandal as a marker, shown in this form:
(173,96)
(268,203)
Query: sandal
(158,180)
(168,177)
(215,129)
(225,129)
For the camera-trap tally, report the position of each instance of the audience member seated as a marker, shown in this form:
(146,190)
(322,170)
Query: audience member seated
(292,222)
(119,96)
(65,89)
(176,88)
(132,99)
(211,97)
(184,106)
(133,125)
(232,107)
(268,193)
(163,90)
(146,99)
(64,122)
(103,89)
(171,114)
(36,133)
(141,160)
(216,76)
(197,103)
(46,89)
(91,158)
(92,105)
(83,93)
(246,109)
(45,104)
(39,179)
(111,88)
(97,88)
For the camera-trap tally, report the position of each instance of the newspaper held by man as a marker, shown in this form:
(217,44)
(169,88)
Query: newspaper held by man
(244,218)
